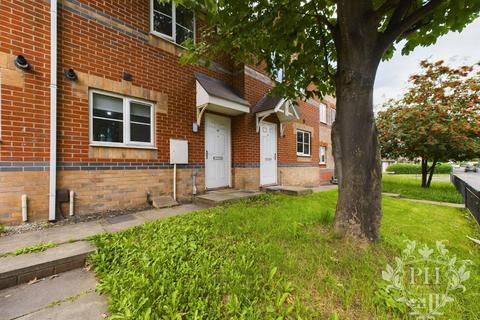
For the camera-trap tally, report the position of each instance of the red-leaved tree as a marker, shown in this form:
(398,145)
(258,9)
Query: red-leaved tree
(438,119)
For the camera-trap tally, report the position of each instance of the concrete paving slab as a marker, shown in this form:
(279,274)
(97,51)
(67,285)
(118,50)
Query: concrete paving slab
(290,190)
(60,234)
(325,188)
(17,241)
(393,195)
(26,299)
(224,196)
(73,232)
(132,220)
(23,268)
(81,231)
(87,307)
(157,214)
(436,203)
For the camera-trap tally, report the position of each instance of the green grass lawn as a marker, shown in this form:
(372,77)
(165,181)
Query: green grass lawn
(274,257)
(409,186)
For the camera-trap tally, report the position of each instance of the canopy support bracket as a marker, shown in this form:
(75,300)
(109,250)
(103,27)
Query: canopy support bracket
(260,119)
(200,112)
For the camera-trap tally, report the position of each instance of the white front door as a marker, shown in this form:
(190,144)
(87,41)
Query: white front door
(268,154)
(217,151)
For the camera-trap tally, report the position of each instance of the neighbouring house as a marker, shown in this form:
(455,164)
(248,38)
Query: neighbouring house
(106,75)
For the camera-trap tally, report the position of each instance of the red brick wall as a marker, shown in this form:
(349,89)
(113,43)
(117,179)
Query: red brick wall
(90,47)
(25,30)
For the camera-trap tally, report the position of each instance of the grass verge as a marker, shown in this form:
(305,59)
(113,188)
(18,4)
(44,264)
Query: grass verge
(272,258)
(409,186)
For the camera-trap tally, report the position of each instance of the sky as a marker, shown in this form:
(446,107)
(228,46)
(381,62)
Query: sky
(455,48)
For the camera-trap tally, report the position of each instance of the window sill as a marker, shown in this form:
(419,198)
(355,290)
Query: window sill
(100,145)
(167,39)
(304,155)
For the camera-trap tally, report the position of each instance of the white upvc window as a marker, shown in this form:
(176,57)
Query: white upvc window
(120,121)
(323,113)
(171,21)
(333,115)
(323,155)
(303,143)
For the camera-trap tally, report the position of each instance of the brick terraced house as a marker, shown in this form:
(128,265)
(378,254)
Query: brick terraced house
(106,75)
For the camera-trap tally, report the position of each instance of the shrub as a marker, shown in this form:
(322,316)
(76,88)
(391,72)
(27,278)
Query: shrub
(404,168)
(2,228)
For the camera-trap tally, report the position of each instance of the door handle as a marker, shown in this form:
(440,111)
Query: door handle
(206,154)
(274,156)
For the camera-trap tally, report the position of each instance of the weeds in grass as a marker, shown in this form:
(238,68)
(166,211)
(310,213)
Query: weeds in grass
(275,257)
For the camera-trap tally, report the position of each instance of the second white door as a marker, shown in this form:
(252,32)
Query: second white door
(217,151)
(268,154)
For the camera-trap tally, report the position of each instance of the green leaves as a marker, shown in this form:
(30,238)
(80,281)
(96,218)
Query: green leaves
(437,119)
(183,268)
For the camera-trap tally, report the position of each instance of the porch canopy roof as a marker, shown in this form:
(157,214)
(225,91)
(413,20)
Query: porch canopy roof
(215,95)
(283,108)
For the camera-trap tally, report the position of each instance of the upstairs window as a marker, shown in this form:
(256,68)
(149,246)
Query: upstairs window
(303,143)
(120,121)
(333,115)
(323,113)
(323,155)
(278,71)
(172,21)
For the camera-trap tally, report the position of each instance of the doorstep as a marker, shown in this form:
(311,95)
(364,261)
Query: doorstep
(223,196)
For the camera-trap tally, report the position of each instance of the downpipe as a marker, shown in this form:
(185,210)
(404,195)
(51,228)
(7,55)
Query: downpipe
(53,112)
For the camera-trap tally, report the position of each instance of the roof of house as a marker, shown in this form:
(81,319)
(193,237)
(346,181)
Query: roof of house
(268,102)
(219,89)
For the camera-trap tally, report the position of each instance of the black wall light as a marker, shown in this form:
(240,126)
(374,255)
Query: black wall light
(71,75)
(127,76)
(22,63)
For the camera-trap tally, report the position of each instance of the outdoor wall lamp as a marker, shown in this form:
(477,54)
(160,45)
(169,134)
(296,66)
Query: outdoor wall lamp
(127,76)
(22,63)
(71,75)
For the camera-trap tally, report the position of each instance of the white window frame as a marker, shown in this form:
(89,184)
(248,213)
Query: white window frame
(173,37)
(323,154)
(303,154)
(126,122)
(323,112)
(333,115)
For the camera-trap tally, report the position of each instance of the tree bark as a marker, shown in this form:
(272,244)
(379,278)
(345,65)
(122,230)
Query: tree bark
(432,171)
(354,136)
(424,172)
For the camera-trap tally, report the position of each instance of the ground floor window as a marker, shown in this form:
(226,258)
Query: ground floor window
(303,143)
(116,120)
(323,155)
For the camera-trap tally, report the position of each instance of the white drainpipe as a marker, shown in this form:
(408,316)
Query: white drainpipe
(53,111)
(24,208)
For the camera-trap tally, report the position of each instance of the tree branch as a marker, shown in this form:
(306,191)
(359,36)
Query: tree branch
(322,20)
(398,26)
(387,6)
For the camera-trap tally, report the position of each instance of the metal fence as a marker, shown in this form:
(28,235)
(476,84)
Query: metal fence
(470,195)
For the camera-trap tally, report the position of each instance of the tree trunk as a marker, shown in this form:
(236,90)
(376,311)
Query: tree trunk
(432,171)
(354,135)
(424,172)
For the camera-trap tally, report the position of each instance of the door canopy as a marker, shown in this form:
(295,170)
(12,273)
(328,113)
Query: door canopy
(285,110)
(215,95)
